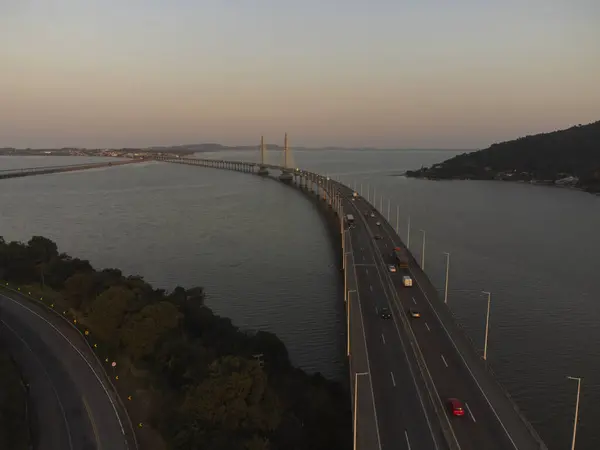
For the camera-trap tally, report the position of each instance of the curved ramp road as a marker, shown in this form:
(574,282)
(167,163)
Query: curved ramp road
(72,405)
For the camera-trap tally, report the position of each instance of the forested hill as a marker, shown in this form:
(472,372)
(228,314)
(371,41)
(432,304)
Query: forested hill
(198,382)
(565,157)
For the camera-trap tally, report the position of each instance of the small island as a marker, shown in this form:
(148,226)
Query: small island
(566,158)
(197,380)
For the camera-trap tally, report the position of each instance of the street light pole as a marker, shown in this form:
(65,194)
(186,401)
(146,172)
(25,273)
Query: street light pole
(348,321)
(447,274)
(576,410)
(398,220)
(356,401)
(423,251)
(361,190)
(408,234)
(388,214)
(381,205)
(487,324)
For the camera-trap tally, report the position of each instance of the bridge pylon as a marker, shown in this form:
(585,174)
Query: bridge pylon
(286,172)
(263,156)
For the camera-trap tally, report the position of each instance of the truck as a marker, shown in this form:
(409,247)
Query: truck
(350,219)
(400,258)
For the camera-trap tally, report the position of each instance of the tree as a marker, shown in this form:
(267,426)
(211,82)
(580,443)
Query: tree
(80,289)
(107,311)
(42,249)
(235,397)
(62,267)
(143,329)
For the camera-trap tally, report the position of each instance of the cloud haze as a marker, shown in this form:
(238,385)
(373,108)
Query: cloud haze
(427,73)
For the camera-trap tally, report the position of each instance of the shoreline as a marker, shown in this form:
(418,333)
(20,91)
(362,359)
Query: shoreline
(531,182)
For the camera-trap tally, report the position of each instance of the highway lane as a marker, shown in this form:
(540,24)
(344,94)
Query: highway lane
(483,427)
(76,410)
(402,420)
(50,426)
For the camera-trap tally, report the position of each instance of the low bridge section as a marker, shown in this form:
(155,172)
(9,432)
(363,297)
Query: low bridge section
(15,173)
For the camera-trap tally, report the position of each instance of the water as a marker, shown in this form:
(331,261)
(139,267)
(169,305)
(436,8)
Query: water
(265,257)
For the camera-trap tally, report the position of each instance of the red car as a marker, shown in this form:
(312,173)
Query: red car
(456,407)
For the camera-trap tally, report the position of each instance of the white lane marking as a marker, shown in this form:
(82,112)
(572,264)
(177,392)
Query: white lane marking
(444,359)
(367,271)
(363,257)
(407,441)
(393,380)
(386,245)
(414,301)
(371,287)
(427,326)
(104,388)
(383,338)
(470,412)
(94,429)
(60,405)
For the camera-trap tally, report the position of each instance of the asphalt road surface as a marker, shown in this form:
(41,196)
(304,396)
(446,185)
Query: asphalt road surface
(72,406)
(405,419)
(490,422)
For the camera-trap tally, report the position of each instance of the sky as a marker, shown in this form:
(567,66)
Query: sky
(357,73)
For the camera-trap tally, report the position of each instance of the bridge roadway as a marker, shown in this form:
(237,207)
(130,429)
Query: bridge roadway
(29,171)
(491,421)
(411,366)
(73,407)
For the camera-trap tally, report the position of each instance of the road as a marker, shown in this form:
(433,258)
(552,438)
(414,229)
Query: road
(490,421)
(405,419)
(72,407)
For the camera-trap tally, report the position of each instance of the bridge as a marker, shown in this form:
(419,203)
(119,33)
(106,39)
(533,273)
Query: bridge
(402,369)
(25,172)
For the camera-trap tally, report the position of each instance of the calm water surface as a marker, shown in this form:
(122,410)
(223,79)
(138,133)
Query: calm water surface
(264,255)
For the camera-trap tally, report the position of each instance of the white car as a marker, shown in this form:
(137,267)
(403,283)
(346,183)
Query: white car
(372,215)
(406,281)
(392,268)
(378,224)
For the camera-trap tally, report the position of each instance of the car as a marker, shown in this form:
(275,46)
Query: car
(456,407)
(385,313)
(414,313)
(378,237)
(392,268)
(372,215)
(406,281)
(378,224)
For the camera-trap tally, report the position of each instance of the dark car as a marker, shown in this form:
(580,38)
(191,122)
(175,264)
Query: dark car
(385,313)
(378,237)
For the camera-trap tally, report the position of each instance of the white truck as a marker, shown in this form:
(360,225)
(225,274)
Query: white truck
(406,281)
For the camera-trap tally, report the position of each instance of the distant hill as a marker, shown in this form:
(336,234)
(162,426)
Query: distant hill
(568,157)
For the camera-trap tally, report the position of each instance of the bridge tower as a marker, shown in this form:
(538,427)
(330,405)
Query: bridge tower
(286,172)
(263,156)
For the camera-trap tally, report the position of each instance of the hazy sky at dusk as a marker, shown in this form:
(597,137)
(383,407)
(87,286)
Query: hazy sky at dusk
(382,73)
